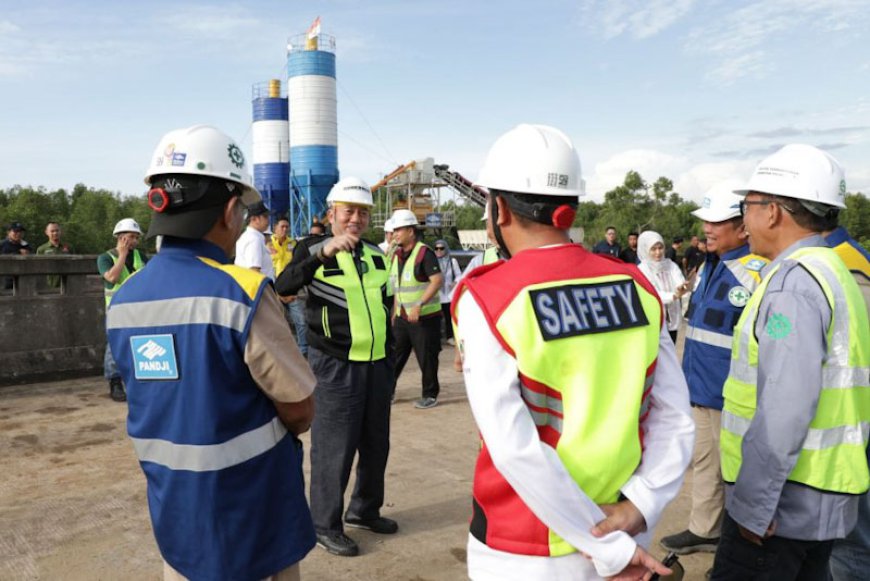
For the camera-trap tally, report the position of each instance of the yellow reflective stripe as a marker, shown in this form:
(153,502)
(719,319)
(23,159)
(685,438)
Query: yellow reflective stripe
(210,457)
(740,272)
(325,321)
(249,280)
(187,311)
(709,337)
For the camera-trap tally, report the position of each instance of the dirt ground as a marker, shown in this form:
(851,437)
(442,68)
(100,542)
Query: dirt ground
(72,496)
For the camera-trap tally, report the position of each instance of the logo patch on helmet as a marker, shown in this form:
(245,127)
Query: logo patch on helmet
(236,156)
(557,180)
(843,187)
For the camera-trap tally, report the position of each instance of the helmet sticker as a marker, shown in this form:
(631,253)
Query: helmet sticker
(236,156)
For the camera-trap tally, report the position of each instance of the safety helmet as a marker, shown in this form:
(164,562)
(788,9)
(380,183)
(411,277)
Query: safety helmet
(388,225)
(350,190)
(720,202)
(533,159)
(802,172)
(202,150)
(402,218)
(127,225)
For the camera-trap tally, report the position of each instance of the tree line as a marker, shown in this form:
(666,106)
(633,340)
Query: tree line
(88,215)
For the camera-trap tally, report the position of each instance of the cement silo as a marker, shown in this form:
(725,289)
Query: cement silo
(271,147)
(313,124)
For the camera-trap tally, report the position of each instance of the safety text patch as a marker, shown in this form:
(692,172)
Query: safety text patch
(154,357)
(581,309)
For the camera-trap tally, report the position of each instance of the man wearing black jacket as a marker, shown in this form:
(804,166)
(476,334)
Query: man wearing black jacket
(347,313)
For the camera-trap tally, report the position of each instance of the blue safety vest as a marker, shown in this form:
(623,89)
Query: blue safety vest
(225,486)
(714,309)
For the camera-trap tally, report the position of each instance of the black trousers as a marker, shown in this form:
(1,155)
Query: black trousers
(448,323)
(352,415)
(424,338)
(778,559)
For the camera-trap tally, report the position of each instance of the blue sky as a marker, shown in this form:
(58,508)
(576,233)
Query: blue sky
(694,90)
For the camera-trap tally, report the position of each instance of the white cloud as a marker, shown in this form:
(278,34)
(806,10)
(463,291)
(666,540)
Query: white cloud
(7,27)
(210,20)
(740,40)
(639,18)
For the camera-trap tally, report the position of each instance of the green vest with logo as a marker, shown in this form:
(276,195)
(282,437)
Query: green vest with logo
(833,456)
(408,290)
(357,288)
(138,263)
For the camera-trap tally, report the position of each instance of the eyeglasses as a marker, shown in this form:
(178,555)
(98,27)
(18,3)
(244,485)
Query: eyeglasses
(744,203)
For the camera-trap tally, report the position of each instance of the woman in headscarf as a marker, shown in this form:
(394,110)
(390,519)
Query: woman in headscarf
(451,272)
(665,276)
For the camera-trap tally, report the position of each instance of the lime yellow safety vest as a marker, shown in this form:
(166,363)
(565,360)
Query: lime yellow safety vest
(585,335)
(408,290)
(490,255)
(138,263)
(357,292)
(833,456)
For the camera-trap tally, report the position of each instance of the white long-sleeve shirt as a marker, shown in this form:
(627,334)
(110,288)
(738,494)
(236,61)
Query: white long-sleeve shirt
(537,474)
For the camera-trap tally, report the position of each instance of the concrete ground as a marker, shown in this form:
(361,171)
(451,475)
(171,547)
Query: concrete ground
(72,496)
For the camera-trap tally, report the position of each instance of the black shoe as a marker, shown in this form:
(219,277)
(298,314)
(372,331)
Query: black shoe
(380,525)
(425,403)
(116,390)
(338,544)
(687,542)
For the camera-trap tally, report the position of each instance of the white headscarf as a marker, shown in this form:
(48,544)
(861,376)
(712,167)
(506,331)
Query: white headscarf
(645,242)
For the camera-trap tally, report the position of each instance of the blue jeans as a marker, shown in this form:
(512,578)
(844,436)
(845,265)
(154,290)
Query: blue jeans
(850,559)
(297,315)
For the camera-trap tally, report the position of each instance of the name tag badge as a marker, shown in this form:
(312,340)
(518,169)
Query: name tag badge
(583,309)
(154,357)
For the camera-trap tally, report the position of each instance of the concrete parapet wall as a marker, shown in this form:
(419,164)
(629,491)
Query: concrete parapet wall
(50,333)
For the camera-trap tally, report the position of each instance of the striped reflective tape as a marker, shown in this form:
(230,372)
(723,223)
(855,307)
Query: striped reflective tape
(329,297)
(541,400)
(542,419)
(210,457)
(181,311)
(833,377)
(743,276)
(816,439)
(708,337)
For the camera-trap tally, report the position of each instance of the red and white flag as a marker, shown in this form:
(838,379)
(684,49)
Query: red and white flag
(314,29)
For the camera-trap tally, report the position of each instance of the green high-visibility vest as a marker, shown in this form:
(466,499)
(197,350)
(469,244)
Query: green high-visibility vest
(138,263)
(358,291)
(408,290)
(491,255)
(833,456)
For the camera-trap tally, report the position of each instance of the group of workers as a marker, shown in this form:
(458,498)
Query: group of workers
(587,423)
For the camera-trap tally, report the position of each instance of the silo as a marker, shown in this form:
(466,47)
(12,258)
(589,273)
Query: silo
(271,146)
(313,124)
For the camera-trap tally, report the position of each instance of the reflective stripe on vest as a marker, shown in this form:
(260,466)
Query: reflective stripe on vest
(409,291)
(193,310)
(833,454)
(214,456)
(746,277)
(587,408)
(708,337)
(138,263)
(359,294)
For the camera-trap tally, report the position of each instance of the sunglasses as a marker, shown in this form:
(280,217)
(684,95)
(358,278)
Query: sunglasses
(440,248)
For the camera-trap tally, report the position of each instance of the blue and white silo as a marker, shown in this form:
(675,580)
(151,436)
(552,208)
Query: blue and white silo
(313,125)
(271,147)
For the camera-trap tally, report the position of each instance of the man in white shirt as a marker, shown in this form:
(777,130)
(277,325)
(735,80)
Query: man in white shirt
(251,251)
(583,411)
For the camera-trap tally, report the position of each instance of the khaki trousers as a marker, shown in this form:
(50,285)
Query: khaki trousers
(291,573)
(708,490)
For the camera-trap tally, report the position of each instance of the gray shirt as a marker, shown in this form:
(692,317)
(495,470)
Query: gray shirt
(793,318)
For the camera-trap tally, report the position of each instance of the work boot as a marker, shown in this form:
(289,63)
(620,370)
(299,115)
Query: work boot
(116,389)
(380,525)
(338,543)
(687,542)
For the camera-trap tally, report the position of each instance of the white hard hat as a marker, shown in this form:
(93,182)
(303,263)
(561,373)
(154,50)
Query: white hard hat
(350,190)
(802,172)
(402,218)
(533,159)
(202,150)
(720,202)
(388,225)
(127,225)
